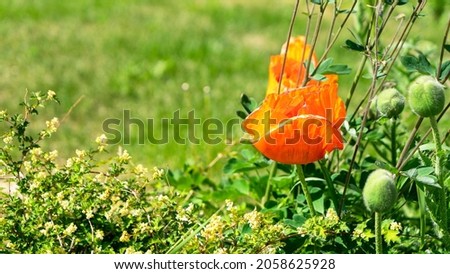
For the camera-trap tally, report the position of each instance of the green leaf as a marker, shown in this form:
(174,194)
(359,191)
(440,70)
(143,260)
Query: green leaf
(374,135)
(420,64)
(246,229)
(242,186)
(425,171)
(428,180)
(319,205)
(422,176)
(327,67)
(447,182)
(410,62)
(324,65)
(241,114)
(346,11)
(391,236)
(386,166)
(235,165)
(248,103)
(338,69)
(349,44)
(283,182)
(296,221)
(445,70)
(399,2)
(447,47)
(318,77)
(424,65)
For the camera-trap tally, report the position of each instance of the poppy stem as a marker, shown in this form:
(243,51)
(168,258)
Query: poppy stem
(378,239)
(273,169)
(308,198)
(438,171)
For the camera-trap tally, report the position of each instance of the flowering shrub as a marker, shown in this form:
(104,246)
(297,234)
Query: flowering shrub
(91,205)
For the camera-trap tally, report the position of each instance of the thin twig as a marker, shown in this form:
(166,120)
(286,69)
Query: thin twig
(314,42)
(291,26)
(402,160)
(441,56)
(308,28)
(72,108)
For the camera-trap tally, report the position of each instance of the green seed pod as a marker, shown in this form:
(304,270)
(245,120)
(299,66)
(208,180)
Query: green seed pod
(380,193)
(426,96)
(390,102)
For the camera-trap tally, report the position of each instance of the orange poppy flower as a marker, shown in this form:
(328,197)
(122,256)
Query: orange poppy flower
(301,124)
(295,67)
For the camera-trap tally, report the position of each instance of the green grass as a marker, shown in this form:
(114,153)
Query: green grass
(136,54)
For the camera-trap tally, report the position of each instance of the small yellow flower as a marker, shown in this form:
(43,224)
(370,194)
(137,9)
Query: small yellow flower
(395,226)
(37,151)
(64,204)
(34,185)
(101,142)
(52,125)
(69,163)
(332,216)
(140,170)
(253,218)
(60,196)
(10,244)
(70,229)
(51,95)
(123,156)
(8,140)
(99,234)
(104,196)
(51,156)
(125,237)
(229,204)
(80,153)
(131,250)
(89,214)
(158,173)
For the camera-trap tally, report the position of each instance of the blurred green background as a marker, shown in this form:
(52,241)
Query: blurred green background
(152,58)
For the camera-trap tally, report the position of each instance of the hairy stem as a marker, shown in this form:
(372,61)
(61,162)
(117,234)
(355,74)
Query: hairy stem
(378,239)
(438,172)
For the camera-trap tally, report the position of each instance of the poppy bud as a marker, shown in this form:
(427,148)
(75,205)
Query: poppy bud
(426,96)
(380,193)
(390,102)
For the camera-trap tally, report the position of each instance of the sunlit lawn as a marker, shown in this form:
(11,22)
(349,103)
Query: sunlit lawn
(137,55)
